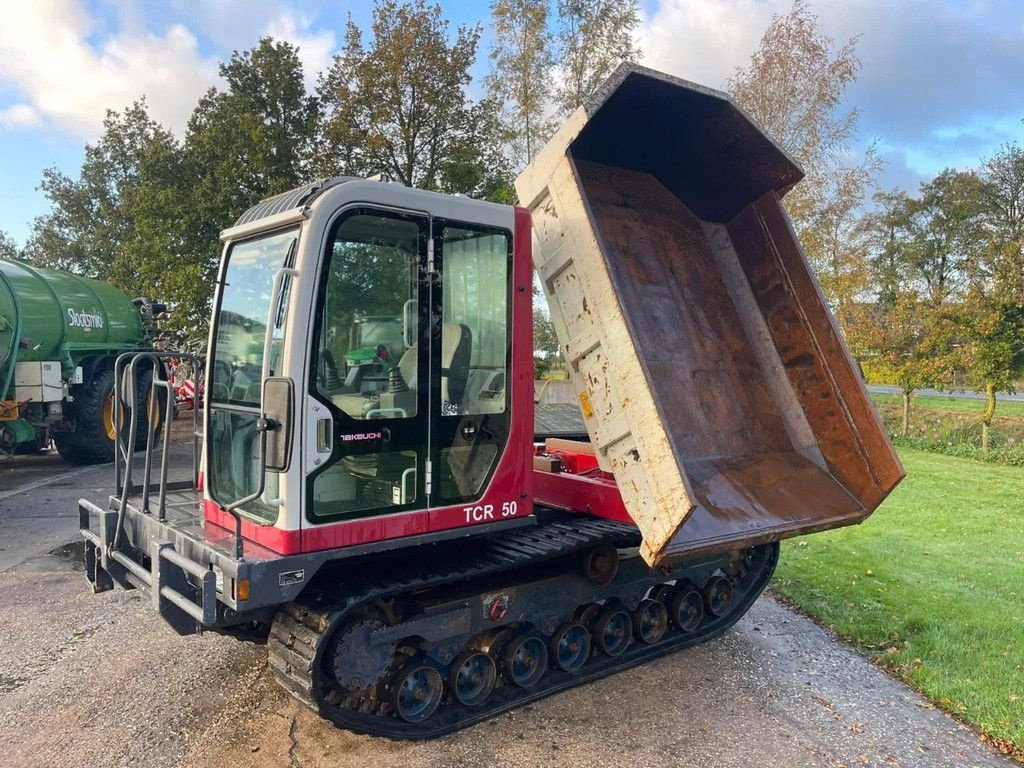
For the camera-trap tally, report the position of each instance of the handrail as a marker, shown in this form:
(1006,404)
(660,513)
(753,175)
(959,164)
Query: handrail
(126,372)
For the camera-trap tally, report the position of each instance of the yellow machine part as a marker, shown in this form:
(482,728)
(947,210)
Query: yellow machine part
(10,410)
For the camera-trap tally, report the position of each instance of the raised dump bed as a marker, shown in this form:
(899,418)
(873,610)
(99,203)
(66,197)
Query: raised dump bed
(712,378)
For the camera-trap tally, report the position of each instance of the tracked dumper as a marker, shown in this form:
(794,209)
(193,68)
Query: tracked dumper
(377,501)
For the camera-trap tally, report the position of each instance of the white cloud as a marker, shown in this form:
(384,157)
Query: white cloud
(19,116)
(230,24)
(937,84)
(705,40)
(925,63)
(316,49)
(46,57)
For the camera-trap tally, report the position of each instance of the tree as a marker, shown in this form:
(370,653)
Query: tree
(838,243)
(267,82)
(1003,193)
(9,248)
(399,105)
(146,209)
(995,304)
(944,234)
(795,87)
(997,335)
(913,339)
(545,340)
(912,318)
(94,227)
(255,138)
(520,80)
(882,232)
(478,166)
(245,143)
(594,37)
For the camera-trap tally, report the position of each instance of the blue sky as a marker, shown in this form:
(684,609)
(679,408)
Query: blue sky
(942,82)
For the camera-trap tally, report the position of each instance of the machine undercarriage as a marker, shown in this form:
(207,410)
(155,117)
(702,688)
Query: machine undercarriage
(476,631)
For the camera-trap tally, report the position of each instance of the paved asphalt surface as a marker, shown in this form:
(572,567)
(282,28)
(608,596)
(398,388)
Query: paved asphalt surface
(888,389)
(98,680)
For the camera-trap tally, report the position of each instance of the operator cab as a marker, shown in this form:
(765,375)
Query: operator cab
(391,324)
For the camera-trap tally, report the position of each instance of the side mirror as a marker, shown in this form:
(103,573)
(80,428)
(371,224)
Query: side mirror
(278,403)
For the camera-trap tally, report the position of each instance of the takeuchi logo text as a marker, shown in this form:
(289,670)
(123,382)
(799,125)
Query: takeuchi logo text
(362,436)
(86,320)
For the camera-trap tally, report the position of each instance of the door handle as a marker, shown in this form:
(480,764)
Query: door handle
(319,435)
(324,435)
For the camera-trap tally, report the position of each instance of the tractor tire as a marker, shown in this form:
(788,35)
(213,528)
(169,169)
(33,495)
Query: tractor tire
(92,441)
(159,415)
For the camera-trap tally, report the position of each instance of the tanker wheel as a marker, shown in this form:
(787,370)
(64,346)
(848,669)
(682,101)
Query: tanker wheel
(153,410)
(92,442)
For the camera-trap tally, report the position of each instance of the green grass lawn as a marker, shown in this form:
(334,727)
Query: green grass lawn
(955,404)
(931,586)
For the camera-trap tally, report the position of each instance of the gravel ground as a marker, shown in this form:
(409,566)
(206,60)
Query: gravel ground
(99,680)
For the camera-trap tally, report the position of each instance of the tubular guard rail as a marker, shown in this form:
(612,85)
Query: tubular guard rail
(109,557)
(166,579)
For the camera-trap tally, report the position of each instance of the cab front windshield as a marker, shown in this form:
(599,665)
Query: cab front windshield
(233,464)
(242,318)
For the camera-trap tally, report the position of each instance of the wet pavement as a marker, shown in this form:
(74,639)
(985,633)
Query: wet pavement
(99,680)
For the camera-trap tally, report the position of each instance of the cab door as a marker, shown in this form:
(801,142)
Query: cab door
(471,360)
(369,388)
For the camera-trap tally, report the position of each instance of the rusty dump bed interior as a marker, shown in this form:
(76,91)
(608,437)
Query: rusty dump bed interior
(713,379)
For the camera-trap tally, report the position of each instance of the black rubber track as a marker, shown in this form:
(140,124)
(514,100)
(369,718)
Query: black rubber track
(296,643)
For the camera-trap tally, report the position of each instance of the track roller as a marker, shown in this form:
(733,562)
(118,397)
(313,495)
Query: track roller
(601,565)
(471,677)
(718,595)
(613,630)
(570,647)
(650,621)
(416,691)
(524,660)
(686,608)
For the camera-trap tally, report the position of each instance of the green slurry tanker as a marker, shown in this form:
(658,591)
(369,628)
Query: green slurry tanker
(60,335)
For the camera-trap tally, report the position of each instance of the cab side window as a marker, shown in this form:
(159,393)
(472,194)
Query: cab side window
(474,333)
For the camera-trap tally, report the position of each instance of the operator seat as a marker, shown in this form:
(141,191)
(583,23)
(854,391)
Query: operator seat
(456,347)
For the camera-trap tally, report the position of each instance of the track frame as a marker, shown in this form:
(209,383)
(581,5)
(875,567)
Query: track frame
(456,597)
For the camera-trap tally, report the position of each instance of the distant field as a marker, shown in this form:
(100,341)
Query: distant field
(953,426)
(931,586)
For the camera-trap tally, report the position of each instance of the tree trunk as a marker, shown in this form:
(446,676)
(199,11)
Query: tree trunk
(987,414)
(906,411)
